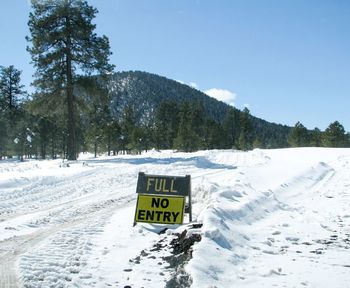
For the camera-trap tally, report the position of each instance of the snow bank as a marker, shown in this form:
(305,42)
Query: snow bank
(270,218)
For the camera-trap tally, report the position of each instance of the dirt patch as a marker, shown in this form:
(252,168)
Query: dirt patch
(181,253)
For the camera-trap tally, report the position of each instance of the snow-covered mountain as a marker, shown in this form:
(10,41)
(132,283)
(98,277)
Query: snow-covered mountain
(144,92)
(264,218)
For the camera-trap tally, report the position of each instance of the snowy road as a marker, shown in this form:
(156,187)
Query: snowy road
(44,199)
(270,218)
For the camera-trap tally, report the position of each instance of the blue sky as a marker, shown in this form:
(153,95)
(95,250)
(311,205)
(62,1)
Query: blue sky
(288,60)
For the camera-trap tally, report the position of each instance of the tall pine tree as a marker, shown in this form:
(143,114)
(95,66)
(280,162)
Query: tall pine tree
(191,127)
(64,42)
(11,89)
(166,122)
(335,136)
(246,129)
(298,136)
(11,112)
(231,127)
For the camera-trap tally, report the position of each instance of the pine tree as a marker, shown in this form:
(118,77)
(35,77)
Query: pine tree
(298,136)
(112,136)
(128,125)
(166,122)
(4,135)
(257,143)
(11,108)
(246,129)
(335,136)
(316,138)
(214,135)
(96,112)
(191,127)
(22,134)
(63,42)
(231,127)
(10,88)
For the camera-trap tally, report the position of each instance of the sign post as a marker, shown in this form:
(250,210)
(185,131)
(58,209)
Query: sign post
(162,199)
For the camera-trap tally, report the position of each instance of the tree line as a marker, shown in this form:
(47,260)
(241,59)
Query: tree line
(73,110)
(29,132)
(333,136)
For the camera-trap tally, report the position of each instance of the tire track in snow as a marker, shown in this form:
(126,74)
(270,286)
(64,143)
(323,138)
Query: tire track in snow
(44,192)
(232,209)
(293,246)
(60,214)
(65,240)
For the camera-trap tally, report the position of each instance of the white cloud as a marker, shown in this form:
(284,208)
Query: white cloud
(181,82)
(222,95)
(193,85)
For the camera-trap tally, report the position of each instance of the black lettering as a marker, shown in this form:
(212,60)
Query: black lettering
(175,215)
(164,203)
(159,213)
(141,215)
(155,202)
(149,215)
(166,216)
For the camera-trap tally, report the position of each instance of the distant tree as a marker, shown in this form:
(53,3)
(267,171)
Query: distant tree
(246,129)
(11,89)
(316,138)
(166,124)
(231,127)
(113,136)
(198,121)
(64,42)
(12,112)
(128,125)
(335,136)
(257,143)
(4,136)
(22,134)
(298,136)
(42,130)
(214,135)
(96,112)
(137,140)
(188,135)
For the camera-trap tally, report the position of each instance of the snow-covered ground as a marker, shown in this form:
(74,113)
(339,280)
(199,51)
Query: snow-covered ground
(271,218)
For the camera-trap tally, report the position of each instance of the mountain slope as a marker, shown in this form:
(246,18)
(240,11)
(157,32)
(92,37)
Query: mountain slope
(145,91)
(141,87)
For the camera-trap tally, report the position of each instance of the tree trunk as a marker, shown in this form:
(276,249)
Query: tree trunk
(53,155)
(71,141)
(95,147)
(109,144)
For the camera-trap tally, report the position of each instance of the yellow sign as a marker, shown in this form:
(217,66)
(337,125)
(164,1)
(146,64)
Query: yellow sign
(159,209)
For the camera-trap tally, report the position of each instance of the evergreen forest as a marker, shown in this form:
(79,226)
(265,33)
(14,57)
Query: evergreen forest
(81,105)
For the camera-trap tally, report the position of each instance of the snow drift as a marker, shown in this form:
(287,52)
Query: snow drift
(263,218)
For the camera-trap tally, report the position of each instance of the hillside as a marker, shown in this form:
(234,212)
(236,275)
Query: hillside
(131,112)
(145,91)
(150,90)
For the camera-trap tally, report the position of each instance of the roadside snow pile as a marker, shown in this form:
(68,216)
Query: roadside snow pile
(258,237)
(262,218)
